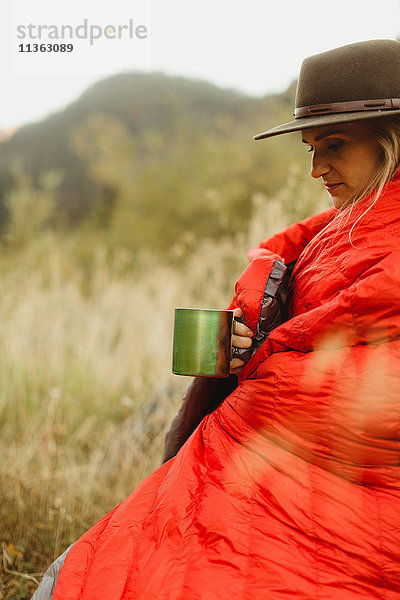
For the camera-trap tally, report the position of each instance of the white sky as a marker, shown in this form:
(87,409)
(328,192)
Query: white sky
(255,46)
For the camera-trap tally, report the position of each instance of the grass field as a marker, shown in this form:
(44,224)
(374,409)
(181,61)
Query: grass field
(86,390)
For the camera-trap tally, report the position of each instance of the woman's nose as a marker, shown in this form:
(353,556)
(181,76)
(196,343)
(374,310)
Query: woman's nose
(319,166)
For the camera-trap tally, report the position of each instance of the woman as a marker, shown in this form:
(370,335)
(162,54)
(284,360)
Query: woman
(291,487)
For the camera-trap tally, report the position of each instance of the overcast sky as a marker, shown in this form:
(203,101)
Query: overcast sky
(255,46)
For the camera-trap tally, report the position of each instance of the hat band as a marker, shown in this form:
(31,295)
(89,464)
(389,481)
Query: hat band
(340,107)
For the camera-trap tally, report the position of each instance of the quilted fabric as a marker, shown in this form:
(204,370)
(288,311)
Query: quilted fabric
(291,488)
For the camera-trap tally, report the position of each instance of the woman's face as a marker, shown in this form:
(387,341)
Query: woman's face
(345,156)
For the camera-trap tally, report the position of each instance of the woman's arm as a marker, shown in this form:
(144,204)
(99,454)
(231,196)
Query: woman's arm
(204,394)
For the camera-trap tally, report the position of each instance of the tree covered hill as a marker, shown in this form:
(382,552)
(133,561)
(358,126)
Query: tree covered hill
(147,156)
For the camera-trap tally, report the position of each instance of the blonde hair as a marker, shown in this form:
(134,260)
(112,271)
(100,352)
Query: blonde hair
(386,132)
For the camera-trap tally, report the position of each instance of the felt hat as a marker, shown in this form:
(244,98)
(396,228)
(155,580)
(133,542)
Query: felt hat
(354,82)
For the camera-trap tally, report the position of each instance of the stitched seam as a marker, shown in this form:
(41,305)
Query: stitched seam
(277,382)
(317,584)
(188,558)
(334,394)
(381,556)
(314,536)
(131,565)
(247,587)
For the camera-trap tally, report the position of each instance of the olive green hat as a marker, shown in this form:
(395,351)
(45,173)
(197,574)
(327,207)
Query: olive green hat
(350,83)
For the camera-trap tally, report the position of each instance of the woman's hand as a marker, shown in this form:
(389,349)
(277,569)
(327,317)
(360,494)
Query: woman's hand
(241,338)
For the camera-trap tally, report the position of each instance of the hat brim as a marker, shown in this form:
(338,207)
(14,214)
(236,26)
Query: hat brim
(319,120)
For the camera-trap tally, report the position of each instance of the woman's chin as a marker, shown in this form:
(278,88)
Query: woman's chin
(339,201)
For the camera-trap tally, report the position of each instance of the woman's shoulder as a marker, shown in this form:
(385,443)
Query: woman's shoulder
(290,242)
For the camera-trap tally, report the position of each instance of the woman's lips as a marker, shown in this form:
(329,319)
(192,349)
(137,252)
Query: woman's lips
(331,187)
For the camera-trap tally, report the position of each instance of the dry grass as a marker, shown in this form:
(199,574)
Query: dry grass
(86,384)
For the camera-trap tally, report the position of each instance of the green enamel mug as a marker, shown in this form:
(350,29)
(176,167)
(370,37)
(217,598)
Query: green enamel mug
(202,342)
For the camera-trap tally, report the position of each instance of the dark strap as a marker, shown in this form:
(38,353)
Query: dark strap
(270,312)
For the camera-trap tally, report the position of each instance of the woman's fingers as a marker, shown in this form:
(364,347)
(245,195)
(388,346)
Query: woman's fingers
(240,341)
(236,365)
(237,312)
(241,338)
(242,329)
(236,362)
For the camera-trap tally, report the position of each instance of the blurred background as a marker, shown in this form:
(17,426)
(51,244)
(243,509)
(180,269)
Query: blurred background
(130,184)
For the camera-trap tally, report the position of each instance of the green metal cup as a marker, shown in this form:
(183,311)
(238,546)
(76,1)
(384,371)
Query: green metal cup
(202,342)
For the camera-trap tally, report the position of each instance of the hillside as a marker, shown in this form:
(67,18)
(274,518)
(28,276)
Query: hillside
(135,148)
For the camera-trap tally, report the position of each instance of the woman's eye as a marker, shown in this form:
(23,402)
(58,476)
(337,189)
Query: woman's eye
(335,146)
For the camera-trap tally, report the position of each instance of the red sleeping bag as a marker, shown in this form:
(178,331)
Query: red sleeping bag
(291,488)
